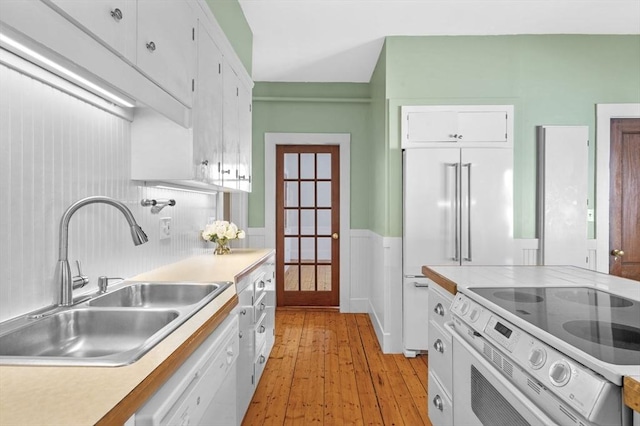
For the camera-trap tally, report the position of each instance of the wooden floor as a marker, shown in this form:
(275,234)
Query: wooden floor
(327,368)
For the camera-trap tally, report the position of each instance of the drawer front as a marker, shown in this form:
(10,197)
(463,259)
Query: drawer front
(260,362)
(260,307)
(440,355)
(261,331)
(439,305)
(440,407)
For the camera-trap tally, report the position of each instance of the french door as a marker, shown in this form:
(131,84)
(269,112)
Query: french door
(307,225)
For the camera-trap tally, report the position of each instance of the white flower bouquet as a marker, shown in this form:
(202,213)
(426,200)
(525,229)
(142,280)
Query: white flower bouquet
(221,232)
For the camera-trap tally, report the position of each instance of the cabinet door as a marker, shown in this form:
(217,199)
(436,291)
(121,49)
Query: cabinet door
(244,134)
(482,126)
(230,127)
(431,126)
(487,206)
(207,111)
(112,22)
(165,45)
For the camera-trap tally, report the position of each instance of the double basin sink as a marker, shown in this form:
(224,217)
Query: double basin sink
(111,329)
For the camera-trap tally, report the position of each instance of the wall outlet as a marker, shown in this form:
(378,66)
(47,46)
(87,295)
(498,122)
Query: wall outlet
(165,228)
(590,215)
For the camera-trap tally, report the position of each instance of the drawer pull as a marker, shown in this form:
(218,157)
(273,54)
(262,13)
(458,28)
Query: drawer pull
(151,46)
(439,346)
(439,309)
(261,329)
(243,312)
(261,284)
(116,14)
(437,402)
(262,359)
(262,306)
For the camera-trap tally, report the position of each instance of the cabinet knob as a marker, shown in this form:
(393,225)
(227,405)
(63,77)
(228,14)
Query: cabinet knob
(243,312)
(439,346)
(262,359)
(240,335)
(262,306)
(262,329)
(437,402)
(116,14)
(151,46)
(439,309)
(459,136)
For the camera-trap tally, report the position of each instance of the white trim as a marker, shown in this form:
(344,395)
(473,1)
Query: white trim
(604,114)
(344,141)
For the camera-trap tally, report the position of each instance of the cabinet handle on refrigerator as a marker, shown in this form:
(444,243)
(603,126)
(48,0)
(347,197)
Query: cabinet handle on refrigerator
(456,208)
(468,166)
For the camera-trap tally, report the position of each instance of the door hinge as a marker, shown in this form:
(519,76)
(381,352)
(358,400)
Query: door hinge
(587,142)
(249,107)
(193,85)
(252,378)
(193,34)
(219,68)
(237,91)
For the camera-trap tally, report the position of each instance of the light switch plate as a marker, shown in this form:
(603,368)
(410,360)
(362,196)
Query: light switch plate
(165,228)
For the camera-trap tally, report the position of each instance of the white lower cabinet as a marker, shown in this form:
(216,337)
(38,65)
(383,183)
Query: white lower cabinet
(256,314)
(440,357)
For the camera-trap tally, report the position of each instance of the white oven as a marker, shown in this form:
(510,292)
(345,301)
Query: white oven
(504,375)
(484,397)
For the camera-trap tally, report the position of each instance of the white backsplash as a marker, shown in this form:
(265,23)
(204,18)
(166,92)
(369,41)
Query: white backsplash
(54,150)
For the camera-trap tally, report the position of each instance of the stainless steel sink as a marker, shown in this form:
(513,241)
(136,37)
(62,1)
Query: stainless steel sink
(154,295)
(112,329)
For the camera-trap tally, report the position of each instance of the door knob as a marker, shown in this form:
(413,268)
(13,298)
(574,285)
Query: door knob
(335,236)
(616,253)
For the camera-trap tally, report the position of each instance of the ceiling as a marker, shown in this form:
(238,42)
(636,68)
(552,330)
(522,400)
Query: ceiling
(340,40)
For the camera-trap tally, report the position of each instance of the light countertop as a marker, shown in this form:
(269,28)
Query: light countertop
(110,395)
(459,278)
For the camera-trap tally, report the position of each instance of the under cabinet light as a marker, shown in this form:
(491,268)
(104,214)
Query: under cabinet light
(64,71)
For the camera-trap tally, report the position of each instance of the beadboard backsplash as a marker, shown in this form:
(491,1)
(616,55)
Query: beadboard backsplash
(55,150)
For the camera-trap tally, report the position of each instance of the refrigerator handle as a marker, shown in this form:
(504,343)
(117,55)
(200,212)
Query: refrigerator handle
(468,166)
(456,207)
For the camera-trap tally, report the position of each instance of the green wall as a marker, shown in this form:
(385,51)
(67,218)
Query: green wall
(313,108)
(231,18)
(551,80)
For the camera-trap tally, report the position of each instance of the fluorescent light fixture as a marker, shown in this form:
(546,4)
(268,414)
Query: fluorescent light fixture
(64,71)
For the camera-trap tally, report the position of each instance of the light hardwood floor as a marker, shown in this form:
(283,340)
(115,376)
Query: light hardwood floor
(327,368)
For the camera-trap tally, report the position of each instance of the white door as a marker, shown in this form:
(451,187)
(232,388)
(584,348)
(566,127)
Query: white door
(430,234)
(486,206)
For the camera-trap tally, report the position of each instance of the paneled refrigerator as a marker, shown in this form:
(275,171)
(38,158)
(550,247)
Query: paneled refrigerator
(458,210)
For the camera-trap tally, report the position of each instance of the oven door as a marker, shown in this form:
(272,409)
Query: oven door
(483,397)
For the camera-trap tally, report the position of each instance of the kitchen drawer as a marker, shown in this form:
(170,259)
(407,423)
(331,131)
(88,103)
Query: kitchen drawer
(260,363)
(440,407)
(261,331)
(440,355)
(439,305)
(260,306)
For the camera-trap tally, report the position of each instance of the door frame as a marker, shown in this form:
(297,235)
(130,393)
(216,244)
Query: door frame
(344,141)
(604,114)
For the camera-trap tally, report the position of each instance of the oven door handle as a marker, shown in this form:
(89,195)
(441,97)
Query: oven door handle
(539,415)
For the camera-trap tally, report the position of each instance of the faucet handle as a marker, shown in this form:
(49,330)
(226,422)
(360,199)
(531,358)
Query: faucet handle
(80,280)
(103,283)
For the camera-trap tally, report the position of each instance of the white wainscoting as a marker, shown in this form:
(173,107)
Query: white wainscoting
(57,149)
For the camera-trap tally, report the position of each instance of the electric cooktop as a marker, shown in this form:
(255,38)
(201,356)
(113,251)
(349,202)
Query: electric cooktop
(601,324)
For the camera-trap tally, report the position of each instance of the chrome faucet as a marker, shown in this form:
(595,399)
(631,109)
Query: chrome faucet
(63,271)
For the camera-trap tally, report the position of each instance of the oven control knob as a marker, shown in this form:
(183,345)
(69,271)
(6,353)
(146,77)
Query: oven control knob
(464,308)
(474,315)
(537,358)
(560,373)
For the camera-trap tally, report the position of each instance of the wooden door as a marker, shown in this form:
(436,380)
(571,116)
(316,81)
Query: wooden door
(307,225)
(624,203)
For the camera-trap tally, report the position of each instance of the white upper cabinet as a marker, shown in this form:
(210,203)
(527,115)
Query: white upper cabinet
(112,22)
(166,45)
(245,137)
(207,111)
(230,126)
(457,125)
